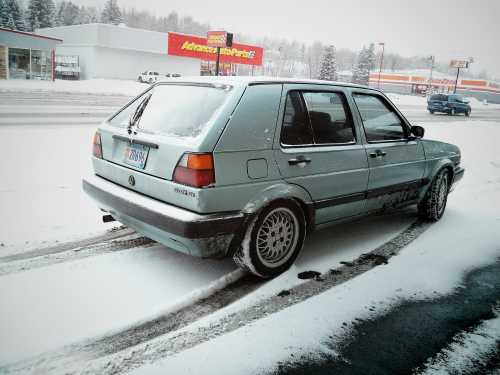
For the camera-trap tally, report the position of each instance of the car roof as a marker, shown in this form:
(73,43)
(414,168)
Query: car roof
(255,80)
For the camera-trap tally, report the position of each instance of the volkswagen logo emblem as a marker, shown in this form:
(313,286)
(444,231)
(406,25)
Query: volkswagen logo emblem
(131,180)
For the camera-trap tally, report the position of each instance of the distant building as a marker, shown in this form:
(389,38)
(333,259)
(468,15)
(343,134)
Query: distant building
(108,51)
(419,84)
(26,55)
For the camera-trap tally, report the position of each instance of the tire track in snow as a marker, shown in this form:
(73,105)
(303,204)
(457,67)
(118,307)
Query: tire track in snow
(163,337)
(117,240)
(140,333)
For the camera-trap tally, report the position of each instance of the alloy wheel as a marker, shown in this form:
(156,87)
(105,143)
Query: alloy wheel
(277,237)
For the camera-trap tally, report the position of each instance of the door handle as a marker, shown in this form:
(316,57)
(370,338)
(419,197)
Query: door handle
(377,153)
(299,160)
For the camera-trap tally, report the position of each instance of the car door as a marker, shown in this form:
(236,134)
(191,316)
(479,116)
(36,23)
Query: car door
(396,159)
(319,149)
(458,103)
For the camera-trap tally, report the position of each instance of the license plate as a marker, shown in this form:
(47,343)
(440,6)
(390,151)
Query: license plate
(136,155)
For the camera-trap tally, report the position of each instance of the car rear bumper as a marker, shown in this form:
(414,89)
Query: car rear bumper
(438,108)
(203,235)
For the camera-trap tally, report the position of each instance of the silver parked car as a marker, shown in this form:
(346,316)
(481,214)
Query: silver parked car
(245,167)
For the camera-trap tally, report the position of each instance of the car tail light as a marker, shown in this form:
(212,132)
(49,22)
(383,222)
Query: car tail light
(195,170)
(97,145)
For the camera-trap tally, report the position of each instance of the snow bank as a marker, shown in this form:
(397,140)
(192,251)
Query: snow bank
(467,237)
(90,86)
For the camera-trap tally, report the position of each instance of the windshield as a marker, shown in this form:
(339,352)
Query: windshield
(180,110)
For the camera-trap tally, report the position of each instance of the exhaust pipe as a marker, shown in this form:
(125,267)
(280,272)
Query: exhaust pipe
(107,219)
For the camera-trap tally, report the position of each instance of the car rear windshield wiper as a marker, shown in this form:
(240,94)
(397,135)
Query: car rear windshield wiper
(136,116)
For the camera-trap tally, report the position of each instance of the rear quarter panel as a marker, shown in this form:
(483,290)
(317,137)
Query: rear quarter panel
(243,156)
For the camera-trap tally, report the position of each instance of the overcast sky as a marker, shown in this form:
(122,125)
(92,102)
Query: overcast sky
(445,28)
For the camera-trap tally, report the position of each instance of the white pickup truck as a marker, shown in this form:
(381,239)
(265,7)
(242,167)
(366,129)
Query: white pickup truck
(150,76)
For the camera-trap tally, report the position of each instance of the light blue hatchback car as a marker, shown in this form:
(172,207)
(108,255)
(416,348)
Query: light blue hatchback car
(247,166)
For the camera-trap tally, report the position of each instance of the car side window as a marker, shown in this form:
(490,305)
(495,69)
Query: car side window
(296,129)
(329,119)
(381,123)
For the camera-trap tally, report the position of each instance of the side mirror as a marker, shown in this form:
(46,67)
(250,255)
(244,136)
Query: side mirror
(417,131)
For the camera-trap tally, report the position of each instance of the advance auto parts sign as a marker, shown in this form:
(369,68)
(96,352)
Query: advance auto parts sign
(196,47)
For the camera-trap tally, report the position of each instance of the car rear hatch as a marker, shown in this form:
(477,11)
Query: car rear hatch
(438,101)
(175,118)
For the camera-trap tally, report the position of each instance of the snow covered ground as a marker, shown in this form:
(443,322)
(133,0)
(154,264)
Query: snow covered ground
(467,237)
(49,307)
(40,189)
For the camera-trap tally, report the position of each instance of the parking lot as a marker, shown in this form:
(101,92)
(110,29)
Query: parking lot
(104,299)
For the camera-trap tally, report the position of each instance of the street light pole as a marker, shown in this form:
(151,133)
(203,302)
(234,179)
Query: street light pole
(217,62)
(381,63)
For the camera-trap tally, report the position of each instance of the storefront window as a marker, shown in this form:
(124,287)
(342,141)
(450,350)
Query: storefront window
(19,63)
(41,64)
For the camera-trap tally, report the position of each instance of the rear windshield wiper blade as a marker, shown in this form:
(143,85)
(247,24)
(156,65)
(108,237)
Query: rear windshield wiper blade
(138,113)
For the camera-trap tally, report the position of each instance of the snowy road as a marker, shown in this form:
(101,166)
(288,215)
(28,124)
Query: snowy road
(37,108)
(77,296)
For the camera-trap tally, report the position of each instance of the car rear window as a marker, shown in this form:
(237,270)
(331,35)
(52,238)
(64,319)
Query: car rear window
(180,110)
(440,97)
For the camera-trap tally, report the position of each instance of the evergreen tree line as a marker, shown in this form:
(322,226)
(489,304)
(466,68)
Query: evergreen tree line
(361,67)
(44,13)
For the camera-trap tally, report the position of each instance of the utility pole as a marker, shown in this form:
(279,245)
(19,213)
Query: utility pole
(429,87)
(381,63)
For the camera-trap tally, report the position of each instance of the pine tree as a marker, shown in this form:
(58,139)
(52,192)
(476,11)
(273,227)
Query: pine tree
(87,15)
(370,56)
(173,21)
(16,13)
(328,70)
(41,13)
(4,13)
(67,14)
(365,62)
(111,13)
(60,13)
(47,13)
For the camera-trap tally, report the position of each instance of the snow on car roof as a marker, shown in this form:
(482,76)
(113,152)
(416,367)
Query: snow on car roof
(249,80)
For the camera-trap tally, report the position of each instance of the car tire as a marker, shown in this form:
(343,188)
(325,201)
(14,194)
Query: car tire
(467,113)
(431,112)
(452,112)
(432,206)
(273,240)
(150,80)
